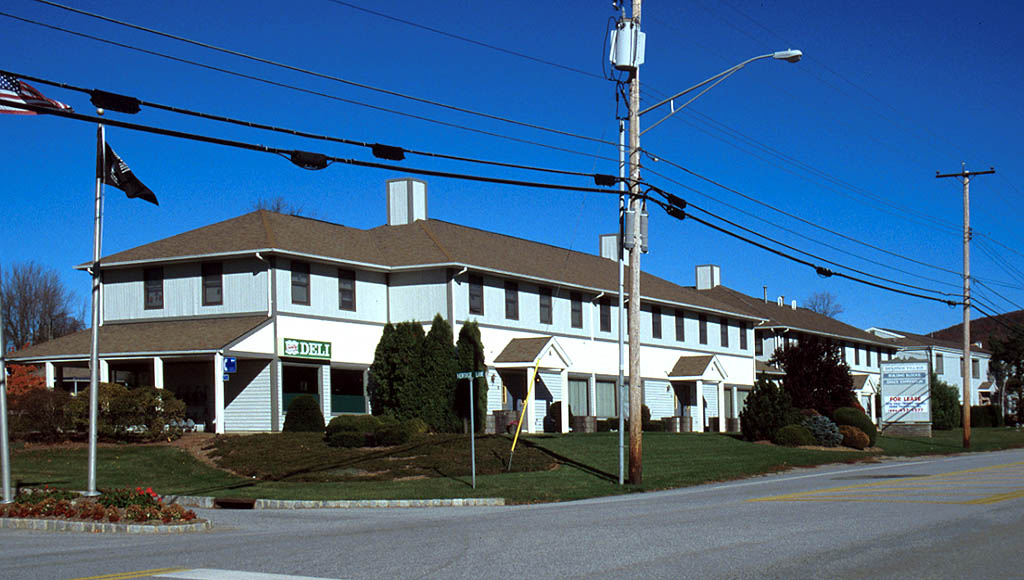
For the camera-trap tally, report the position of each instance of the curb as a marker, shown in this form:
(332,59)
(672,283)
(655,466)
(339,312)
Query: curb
(285,504)
(101,527)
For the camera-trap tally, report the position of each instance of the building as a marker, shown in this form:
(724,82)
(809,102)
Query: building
(784,324)
(943,357)
(298,305)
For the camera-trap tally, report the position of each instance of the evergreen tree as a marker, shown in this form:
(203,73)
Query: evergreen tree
(816,376)
(470,351)
(395,375)
(768,409)
(436,396)
(945,404)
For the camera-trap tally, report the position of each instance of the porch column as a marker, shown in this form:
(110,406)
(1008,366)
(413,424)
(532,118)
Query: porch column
(565,400)
(592,394)
(528,406)
(104,371)
(325,391)
(158,372)
(218,392)
(50,375)
(721,406)
(698,426)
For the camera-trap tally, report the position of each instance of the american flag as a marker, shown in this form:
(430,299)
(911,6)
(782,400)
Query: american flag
(12,89)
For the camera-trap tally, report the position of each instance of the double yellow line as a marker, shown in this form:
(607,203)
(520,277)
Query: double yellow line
(136,574)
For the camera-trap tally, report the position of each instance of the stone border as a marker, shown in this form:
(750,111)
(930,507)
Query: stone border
(286,504)
(101,527)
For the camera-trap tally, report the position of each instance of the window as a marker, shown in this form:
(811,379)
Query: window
(300,283)
(213,284)
(579,391)
(703,329)
(655,321)
(346,289)
(476,295)
(723,328)
(605,403)
(606,314)
(939,364)
(867,353)
(842,350)
(511,300)
(153,280)
(545,305)
(743,336)
(758,344)
(856,354)
(680,326)
(576,318)
(961,366)
(975,368)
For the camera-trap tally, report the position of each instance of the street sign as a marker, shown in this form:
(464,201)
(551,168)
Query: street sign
(470,375)
(230,364)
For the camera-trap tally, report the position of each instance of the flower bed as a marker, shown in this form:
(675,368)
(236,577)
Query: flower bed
(140,506)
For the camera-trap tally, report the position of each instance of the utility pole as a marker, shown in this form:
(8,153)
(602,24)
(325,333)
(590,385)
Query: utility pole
(636,468)
(965,177)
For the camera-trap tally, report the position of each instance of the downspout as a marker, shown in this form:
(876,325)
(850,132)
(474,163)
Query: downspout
(275,361)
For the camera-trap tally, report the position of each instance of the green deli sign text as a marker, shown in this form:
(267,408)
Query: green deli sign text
(306,348)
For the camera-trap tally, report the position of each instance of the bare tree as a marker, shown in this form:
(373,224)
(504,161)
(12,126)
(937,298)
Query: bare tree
(824,303)
(37,307)
(279,204)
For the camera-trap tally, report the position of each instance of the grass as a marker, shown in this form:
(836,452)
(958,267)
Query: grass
(544,468)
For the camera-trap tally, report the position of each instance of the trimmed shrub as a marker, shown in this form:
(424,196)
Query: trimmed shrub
(986,416)
(417,426)
(304,416)
(140,414)
(347,439)
(553,420)
(945,400)
(793,436)
(394,434)
(824,431)
(351,431)
(40,414)
(767,409)
(610,424)
(853,437)
(361,423)
(855,418)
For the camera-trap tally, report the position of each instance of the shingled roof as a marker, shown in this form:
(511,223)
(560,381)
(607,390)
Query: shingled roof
(420,243)
(799,319)
(198,334)
(909,339)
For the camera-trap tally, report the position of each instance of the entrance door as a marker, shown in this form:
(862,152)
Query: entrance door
(298,381)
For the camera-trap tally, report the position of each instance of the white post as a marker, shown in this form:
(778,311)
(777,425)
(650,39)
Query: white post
(218,392)
(51,375)
(565,400)
(721,406)
(699,419)
(5,451)
(158,372)
(104,371)
(528,406)
(96,368)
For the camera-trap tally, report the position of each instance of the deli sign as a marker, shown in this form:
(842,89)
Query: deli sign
(298,348)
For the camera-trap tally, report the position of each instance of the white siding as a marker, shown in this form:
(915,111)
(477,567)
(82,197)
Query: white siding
(418,296)
(711,398)
(371,293)
(659,398)
(552,383)
(247,397)
(244,290)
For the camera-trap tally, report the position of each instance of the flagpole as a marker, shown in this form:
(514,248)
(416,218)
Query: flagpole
(94,354)
(5,450)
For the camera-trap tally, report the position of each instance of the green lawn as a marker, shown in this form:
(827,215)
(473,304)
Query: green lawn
(544,468)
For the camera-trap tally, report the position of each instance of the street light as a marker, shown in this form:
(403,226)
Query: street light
(635,244)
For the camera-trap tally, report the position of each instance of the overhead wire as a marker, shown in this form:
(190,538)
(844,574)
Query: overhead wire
(251,124)
(302,89)
(320,75)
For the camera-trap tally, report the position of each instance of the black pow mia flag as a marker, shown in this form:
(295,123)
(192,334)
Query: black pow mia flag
(116,172)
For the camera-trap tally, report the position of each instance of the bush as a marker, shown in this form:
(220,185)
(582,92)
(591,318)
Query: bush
(767,409)
(854,437)
(986,416)
(136,415)
(304,416)
(553,420)
(610,424)
(352,431)
(824,431)
(855,418)
(347,439)
(40,413)
(363,423)
(793,436)
(945,402)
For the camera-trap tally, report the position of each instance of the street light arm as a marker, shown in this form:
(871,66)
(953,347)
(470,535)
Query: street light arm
(790,55)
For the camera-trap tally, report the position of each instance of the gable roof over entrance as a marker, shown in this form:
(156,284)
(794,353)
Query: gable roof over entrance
(521,352)
(698,368)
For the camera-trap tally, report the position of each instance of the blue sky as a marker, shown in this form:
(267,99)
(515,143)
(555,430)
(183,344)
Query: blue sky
(849,138)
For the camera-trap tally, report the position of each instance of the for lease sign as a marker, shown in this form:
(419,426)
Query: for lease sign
(905,393)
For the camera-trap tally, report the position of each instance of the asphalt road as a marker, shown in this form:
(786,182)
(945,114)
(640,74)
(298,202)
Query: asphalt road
(950,517)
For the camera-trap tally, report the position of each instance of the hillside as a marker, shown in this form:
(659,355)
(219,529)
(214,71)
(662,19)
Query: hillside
(983,328)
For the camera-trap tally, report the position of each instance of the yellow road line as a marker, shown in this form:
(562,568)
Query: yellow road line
(959,482)
(136,574)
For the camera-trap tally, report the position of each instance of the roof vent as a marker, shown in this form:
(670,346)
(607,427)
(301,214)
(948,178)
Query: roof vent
(782,301)
(793,304)
(708,276)
(407,201)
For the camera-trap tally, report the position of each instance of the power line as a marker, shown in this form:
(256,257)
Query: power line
(467,39)
(384,151)
(675,209)
(322,75)
(803,220)
(302,89)
(304,159)
(992,290)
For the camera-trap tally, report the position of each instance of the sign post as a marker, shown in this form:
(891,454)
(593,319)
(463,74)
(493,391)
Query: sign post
(906,398)
(470,375)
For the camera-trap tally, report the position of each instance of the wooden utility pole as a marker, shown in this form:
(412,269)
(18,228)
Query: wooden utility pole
(636,469)
(966,371)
